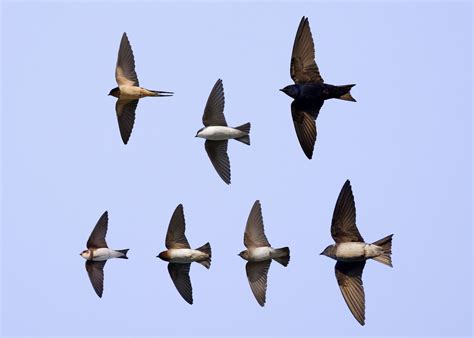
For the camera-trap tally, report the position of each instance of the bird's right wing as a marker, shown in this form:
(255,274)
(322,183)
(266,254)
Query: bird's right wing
(97,236)
(303,68)
(125,69)
(179,274)
(349,278)
(95,270)
(175,237)
(304,116)
(257,273)
(214,111)
(125,110)
(217,152)
(254,236)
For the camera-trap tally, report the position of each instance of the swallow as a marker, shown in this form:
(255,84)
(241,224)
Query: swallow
(180,255)
(351,252)
(309,91)
(128,91)
(217,133)
(98,253)
(259,254)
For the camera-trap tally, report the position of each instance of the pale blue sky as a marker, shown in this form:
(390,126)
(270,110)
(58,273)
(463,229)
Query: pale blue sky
(406,146)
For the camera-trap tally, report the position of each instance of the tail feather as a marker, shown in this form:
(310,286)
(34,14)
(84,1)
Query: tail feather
(246,129)
(124,252)
(346,90)
(386,244)
(206,248)
(161,93)
(283,256)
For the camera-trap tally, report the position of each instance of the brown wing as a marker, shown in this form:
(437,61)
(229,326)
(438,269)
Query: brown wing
(125,110)
(97,237)
(304,117)
(254,236)
(343,227)
(217,152)
(125,70)
(95,270)
(257,273)
(179,274)
(349,278)
(303,68)
(175,237)
(214,111)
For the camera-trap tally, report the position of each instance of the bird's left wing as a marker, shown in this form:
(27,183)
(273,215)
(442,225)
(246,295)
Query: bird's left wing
(217,152)
(349,278)
(125,69)
(95,270)
(179,274)
(97,236)
(257,273)
(125,110)
(175,237)
(214,111)
(304,116)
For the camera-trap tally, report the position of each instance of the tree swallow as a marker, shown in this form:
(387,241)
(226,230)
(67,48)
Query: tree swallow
(98,253)
(180,255)
(217,133)
(128,91)
(259,254)
(351,252)
(309,90)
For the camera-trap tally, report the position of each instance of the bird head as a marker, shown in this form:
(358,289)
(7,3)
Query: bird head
(291,90)
(164,256)
(115,92)
(86,254)
(329,251)
(244,255)
(199,131)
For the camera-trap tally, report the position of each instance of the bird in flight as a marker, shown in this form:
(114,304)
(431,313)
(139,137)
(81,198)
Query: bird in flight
(259,254)
(351,252)
(217,133)
(128,91)
(98,253)
(309,91)
(180,255)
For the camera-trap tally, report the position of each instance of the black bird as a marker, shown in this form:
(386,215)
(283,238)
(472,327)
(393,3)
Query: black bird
(309,90)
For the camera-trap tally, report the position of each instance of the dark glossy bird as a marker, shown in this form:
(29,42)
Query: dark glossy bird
(309,91)
(180,255)
(98,253)
(259,254)
(351,252)
(217,133)
(128,91)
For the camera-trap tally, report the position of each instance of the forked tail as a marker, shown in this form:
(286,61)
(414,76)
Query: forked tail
(206,248)
(386,244)
(346,93)
(246,129)
(124,253)
(283,255)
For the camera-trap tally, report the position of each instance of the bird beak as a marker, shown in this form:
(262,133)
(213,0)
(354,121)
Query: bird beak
(161,93)
(281,90)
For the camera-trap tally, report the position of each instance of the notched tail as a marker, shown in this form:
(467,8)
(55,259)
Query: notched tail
(386,244)
(206,248)
(161,93)
(346,93)
(124,252)
(246,129)
(283,255)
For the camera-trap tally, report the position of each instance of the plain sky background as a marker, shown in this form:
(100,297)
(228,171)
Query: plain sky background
(406,146)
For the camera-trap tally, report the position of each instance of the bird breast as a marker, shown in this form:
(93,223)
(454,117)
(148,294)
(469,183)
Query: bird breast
(350,251)
(186,255)
(220,133)
(260,254)
(102,254)
(131,92)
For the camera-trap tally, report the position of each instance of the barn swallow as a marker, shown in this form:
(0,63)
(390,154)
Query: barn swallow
(351,252)
(259,254)
(309,91)
(180,255)
(98,253)
(128,91)
(217,133)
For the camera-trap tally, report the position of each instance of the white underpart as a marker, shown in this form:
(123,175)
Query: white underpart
(220,133)
(354,250)
(102,254)
(186,255)
(260,254)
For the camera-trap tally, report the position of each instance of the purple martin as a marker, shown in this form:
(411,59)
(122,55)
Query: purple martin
(98,253)
(351,252)
(309,91)
(128,91)
(217,133)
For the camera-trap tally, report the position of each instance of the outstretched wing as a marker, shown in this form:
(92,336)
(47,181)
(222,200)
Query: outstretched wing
(254,236)
(349,278)
(175,237)
(125,69)
(97,237)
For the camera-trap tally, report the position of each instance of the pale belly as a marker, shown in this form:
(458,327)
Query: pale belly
(260,254)
(103,254)
(186,255)
(131,93)
(220,133)
(357,251)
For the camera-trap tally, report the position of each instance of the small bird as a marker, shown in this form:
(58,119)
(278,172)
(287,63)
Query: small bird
(309,90)
(128,91)
(98,253)
(259,254)
(351,252)
(217,133)
(180,255)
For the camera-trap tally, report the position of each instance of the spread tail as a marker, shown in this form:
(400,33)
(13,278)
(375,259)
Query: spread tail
(161,93)
(346,93)
(206,248)
(124,253)
(246,129)
(283,255)
(386,244)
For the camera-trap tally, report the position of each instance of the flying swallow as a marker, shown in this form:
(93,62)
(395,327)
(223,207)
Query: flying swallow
(351,252)
(259,254)
(98,253)
(217,133)
(128,91)
(180,255)
(309,91)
